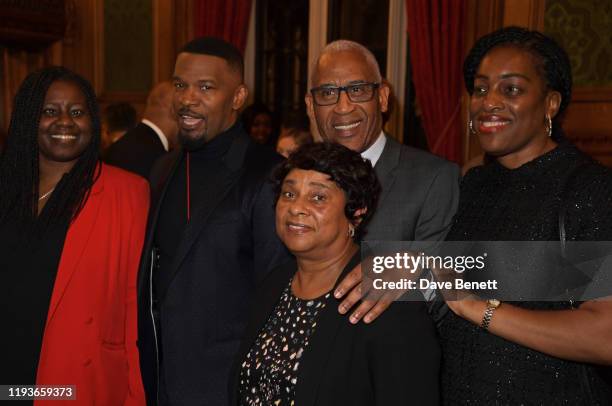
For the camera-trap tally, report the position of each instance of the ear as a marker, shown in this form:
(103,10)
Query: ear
(240,96)
(309,106)
(314,127)
(553,102)
(359,213)
(383,95)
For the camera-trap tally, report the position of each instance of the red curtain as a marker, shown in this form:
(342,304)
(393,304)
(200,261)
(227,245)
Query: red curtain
(226,19)
(435,31)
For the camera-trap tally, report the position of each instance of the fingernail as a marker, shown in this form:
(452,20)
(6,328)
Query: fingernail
(354,318)
(342,309)
(338,293)
(367,319)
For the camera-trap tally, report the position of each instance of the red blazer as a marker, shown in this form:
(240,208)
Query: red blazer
(90,334)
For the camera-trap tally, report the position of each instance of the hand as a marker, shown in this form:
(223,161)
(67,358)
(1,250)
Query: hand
(371,308)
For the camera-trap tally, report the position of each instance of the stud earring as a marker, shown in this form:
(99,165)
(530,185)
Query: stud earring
(351,231)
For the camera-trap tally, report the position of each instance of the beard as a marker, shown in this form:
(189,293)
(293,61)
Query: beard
(191,143)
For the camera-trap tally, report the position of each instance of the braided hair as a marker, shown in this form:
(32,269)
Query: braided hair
(19,166)
(552,63)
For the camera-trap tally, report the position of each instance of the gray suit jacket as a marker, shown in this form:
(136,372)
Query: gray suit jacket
(420,193)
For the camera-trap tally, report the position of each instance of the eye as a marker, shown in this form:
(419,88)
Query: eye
(513,90)
(206,88)
(480,90)
(329,92)
(318,197)
(50,112)
(357,89)
(179,85)
(287,194)
(77,113)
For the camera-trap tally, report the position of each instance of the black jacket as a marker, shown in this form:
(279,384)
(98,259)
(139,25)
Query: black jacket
(393,361)
(229,245)
(136,151)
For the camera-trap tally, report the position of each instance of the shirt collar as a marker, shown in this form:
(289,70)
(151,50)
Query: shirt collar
(375,151)
(159,133)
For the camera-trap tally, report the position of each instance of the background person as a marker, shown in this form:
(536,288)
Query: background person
(155,135)
(259,123)
(117,119)
(297,349)
(71,232)
(294,133)
(526,352)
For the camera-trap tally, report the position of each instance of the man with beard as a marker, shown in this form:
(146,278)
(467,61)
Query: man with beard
(211,234)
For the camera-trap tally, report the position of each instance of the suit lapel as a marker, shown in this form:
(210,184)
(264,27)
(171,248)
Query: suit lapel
(316,356)
(77,238)
(385,167)
(222,183)
(159,186)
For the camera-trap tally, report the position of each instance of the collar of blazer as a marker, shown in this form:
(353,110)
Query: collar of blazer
(319,349)
(386,165)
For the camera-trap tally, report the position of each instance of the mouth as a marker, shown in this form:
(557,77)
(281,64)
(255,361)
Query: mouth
(492,124)
(347,126)
(298,228)
(64,137)
(190,121)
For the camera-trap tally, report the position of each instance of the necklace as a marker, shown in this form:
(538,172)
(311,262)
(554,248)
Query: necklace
(44,196)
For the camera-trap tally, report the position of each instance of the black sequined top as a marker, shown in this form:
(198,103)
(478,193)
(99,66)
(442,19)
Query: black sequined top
(501,204)
(269,374)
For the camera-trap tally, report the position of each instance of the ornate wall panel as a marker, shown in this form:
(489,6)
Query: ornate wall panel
(584,29)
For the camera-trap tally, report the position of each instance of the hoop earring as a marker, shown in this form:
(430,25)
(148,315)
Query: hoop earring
(471,126)
(351,231)
(548,126)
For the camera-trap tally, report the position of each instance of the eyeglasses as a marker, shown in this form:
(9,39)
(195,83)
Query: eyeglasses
(357,93)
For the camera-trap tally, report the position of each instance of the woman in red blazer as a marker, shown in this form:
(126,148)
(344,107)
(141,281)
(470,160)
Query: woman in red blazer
(71,233)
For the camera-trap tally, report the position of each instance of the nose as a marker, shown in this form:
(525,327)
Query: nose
(64,119)
(187,97)
(492,101)
(297,207)
(344,104)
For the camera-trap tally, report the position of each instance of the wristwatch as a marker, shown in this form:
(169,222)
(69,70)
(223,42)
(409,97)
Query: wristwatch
(492,304)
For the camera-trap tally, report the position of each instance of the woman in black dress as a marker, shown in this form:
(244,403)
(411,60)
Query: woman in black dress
(297,348)
(529,352)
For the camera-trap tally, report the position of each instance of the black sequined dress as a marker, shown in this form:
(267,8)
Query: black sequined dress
(501,204)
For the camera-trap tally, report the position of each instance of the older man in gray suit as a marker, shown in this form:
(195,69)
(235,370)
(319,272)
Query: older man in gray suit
(420,191)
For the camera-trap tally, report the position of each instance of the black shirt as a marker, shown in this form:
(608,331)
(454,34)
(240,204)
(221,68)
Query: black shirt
(173,214)
(28,267)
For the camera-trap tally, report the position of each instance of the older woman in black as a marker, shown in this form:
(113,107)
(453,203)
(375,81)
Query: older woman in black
(529,352)
(298,349)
